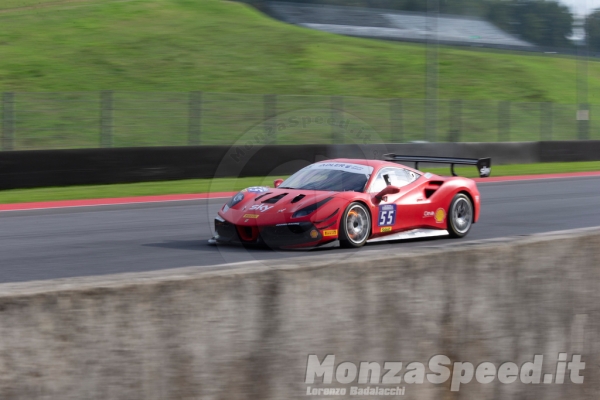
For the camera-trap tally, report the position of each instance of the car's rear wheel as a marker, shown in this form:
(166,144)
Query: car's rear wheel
(460,216)
(355,226)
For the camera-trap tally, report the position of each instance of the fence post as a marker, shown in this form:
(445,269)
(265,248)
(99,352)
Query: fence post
(337,112)
(8,121)
(396,120)
(583,122)
(504,121)
(546,121)
(195,118)
(455,121)
(106,118)
(431,120)
(270,114)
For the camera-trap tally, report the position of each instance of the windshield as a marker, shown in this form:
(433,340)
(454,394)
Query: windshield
(337,177)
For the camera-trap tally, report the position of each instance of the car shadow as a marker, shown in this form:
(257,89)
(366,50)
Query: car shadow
(202,245)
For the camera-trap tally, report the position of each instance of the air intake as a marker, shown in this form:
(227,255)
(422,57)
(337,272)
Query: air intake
(275,199)
(262,195)
(298,198)
(432,188)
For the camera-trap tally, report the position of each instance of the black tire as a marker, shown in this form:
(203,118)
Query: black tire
(355,227)
(460,216)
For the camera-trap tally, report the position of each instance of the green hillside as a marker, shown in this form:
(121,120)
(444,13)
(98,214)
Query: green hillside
(221,46)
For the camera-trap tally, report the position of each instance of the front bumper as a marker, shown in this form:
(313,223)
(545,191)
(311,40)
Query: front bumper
(282,235)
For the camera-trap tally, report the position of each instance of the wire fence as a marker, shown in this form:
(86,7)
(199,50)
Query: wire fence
(33,121)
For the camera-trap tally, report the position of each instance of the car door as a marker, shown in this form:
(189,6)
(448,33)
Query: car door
(400,211)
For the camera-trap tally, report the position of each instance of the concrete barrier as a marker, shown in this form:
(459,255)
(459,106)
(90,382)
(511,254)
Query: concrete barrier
(567,151)
(27,169)
(247,331)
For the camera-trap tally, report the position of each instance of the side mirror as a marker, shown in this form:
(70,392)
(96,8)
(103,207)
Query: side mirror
(386,191)
(277,182)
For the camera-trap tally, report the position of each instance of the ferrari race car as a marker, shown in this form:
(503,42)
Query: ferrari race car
(354,202)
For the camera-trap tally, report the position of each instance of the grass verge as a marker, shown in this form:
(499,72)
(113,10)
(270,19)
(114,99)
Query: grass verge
(59,55)
(223,46)
(234,184)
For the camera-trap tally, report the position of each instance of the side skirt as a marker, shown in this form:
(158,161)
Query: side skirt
(414,234)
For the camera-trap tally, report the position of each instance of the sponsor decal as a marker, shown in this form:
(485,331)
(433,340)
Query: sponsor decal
(257,189)
(386,229)
(387,215)
(261,207)
(428,214)
(485,171)
(251,216)
(314,234)
(348,167)
(440,215)
(331,232)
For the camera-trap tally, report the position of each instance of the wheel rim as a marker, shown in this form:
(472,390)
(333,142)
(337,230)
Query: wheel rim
(357,224)
(462,215)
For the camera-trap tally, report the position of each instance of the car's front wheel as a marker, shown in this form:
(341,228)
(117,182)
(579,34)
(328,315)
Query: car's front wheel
(460,216)
(355,226)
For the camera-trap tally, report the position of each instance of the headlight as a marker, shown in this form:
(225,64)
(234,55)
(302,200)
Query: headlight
(303,212)
(234,200)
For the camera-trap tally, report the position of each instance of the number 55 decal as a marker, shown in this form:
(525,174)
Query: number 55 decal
(387,215)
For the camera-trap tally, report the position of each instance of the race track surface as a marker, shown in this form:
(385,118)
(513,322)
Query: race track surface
(48,244)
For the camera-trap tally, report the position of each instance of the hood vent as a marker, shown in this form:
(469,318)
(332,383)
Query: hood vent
(298,198)
(325,219)
(275,199)
(262,195)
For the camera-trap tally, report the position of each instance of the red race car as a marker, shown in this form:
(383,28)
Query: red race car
(355,202)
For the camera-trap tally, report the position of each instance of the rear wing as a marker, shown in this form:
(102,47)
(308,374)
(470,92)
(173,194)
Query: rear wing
(484,165)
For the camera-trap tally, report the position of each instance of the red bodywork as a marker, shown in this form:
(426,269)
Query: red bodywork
(266,217)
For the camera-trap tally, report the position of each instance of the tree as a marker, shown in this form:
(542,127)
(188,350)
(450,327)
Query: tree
(545,23)
(592,30)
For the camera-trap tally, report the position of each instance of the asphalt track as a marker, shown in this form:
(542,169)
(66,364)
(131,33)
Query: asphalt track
(58,243)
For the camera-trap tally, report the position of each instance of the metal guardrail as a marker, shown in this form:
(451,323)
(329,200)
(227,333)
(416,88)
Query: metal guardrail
(32,121)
